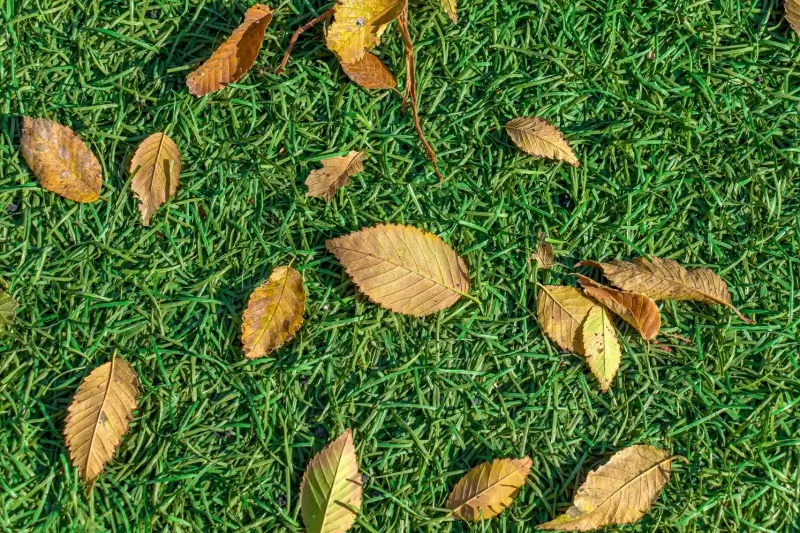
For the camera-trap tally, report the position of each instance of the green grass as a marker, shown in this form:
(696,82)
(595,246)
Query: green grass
(685,115)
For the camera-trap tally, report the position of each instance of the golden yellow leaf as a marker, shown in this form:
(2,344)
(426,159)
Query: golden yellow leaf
(561,312)
(331,486)
(356,25)
(538,137)
(99,416)
(370,73)
(451,9)
(635,308)
(235,56)
(600,346)
(156,169)
(60,160)
(792,8)
(274,312)
(488,489)
(619,492)
(334,174)
(543,255)
(402,268)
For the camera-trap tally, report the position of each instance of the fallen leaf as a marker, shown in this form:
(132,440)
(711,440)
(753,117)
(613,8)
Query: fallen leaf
(334,174)
(561,312)
(370,73)
(635,308)
(356,24)
(451,9)
(792,8)
(538,137)
(235,56)
(8,309)
(274,312)
(99,416)
(665,279)
(156,169)
(600,346)
(619,492)
(543,255)
(331,486)
(402,268)
(60,160)
(488,489)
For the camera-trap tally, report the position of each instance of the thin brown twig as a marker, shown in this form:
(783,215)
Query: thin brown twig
(297,34)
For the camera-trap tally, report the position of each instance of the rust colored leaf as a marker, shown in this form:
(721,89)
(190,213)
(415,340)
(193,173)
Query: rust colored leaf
(539,138)
(370,73)
(334,174)
(156,169)
(635,308)
(488,489)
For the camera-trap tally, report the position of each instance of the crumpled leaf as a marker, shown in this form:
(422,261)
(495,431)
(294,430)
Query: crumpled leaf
(99,416)
(488,489)
(543,255)
(356,26)
(334,174)
(635,308)
(451,8)
(235,56)
(156,169)
(538,137)
(370,73)
(619,492)
(561,312)
(274,312)
(402,268)
(330,485)
(8,309)
(792,8)
(60,160)
(600,346)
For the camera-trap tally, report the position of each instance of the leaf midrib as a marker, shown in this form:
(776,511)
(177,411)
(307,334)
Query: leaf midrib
(99,411)
(476,496)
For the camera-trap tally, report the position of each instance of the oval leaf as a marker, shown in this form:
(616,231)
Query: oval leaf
(370,73)
(334,174)
(538,137)
(600,346)
(488,489)
(274,312)
(235,56)
(99,416)
(8,309)
(156,167)
(635,308)
(331,487)
(792,8)
(357,26)
(561,312)
(60,160)
(402,268)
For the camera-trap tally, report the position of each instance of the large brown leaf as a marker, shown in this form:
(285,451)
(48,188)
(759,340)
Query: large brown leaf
(334,174)
(156,169)
(635,308)
(370,73)
(488,489)
(357,25)
(538,137)
(600,346)
(60,160)
(561,312)
(792,8)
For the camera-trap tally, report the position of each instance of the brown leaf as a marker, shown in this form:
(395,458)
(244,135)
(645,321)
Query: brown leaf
(356,24)
(235,56)
(452,10)
(792,8)
(334,174)
(274,312)
(600,346)
(561,312)
(60,160)
(488,489)
(156,169)
(635,308)
(538,137)
(370,73)
(543,255)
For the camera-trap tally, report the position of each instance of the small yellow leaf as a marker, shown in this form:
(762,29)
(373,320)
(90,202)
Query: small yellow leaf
(600,346)
(635,308)
(356,26)
(156,169)
(488,489)
(543,255)
(370,73)
(274,312)
(792,8)
(334,174)
(8,309)
(60,160)
(331,486)
(451,9)
(561,312)
(538,137)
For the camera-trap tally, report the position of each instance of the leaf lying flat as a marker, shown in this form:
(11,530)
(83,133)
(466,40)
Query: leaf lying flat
(635,308)
(792,8)
(8,309)
(561,312)
(370,73)
(600,346)
(488,489)
(538,137)
(451,9)
(330,485)
(274,312)
(156,169)
(334,174)
(543,255)
(402,268)
(235,56)
(357,24)
(619,492)
(60,160)
(99,416)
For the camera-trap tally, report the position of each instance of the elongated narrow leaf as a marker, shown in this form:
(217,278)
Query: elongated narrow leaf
(451,8)
(543,255)
(156,169)
(99,416)
(370,73)
(235,56)
(60,160)
(331,487)
(274,312)
(792,8)
(334,174)
(8,309)
(357,24)
(619,492)
(488,489)
(561,312)
(635,308)
(402,268)
(538,137)
(600,346)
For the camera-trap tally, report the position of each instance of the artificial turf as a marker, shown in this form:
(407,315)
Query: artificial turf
(685,116)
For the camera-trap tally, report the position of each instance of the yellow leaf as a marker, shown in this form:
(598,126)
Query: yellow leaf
(370,73)
(619,492)
(235,56)
(402,268)
(274,312)
(635,308)
(8,309)
(451,9)
(538,137)
(561,312)
(356,25)
(488,489)
(792,8)
(60,160)
(543,255)
(331,486)
(156,169)
(334,174)
(600,346)
(99,416)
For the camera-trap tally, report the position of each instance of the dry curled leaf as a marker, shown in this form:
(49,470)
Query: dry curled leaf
(543,255)
(8,309)
(370,73)
(156,169)
(274,312)
(619,492)
(334,174)
(600,346)
(488,489)
(635,308)
(60,160)
(538,137)
(665,279)
(403,268)
(99,416)
(356,26)
(235,56)
(451,8)
(792,8)
(561,312)
(331,487)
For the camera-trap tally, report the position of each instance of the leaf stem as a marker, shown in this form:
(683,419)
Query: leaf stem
(298,33)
